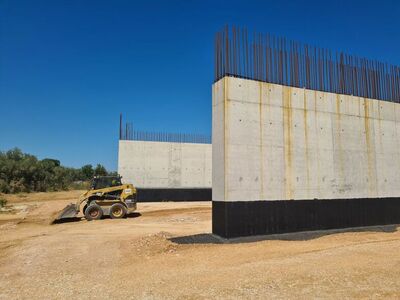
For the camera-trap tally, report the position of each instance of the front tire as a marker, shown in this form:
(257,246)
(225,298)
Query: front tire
(84,209)
(93,212)
(117,211)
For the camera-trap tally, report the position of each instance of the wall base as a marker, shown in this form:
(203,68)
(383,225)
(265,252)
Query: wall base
(235,219)
(164,194)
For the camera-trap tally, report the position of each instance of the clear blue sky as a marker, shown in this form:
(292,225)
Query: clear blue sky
(68,68)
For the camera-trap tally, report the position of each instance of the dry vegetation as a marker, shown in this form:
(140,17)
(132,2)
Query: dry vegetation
(168,252)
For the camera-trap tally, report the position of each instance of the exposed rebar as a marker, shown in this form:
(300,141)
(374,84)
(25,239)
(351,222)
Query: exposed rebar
(275,60)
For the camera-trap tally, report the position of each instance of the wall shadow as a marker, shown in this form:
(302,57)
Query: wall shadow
(201,238)
(209,238)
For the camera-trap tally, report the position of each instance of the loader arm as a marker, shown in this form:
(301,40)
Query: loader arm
(82,198)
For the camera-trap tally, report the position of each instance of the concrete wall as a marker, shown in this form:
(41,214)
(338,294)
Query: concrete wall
(164,164)
(273,142)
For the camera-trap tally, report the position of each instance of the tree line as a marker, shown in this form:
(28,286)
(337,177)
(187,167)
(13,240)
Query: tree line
(22,172)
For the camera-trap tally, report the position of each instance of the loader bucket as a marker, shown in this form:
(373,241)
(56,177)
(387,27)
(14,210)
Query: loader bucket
(68,213)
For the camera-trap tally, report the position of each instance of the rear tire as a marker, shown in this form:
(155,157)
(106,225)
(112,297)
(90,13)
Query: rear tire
(93,212)
(117,211)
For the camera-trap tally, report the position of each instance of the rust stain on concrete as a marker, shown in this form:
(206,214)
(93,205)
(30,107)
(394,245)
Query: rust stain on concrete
(261,143)
(306,146)
(380,126)
(339,140)
(226,126)
(315,101)
(370,149)
(317,143)
(288,143)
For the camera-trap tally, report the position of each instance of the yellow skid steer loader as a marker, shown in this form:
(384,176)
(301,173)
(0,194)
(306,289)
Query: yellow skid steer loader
(106,197)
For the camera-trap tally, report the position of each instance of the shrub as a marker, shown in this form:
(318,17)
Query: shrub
(3,202)
(22,172)
(79,185)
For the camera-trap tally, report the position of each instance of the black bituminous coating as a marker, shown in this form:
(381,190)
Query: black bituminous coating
(246,218)
(176,194)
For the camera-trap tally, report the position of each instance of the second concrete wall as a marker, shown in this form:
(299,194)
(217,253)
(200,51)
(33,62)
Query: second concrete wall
(164,164)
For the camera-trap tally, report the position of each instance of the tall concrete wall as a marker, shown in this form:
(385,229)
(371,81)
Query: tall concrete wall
(164,164)
(275,143)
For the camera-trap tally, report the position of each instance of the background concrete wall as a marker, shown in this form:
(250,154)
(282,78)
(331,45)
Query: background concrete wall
(164,164)
(273,142)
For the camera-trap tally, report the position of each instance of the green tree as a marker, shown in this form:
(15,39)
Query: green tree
(22,172)
(100,170)
(87,172)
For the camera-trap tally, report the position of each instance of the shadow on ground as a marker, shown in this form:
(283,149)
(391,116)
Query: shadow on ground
(78,219)
(208,238)
(67,220)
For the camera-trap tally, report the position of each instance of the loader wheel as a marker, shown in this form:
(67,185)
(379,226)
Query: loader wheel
(117,211)
(93,212)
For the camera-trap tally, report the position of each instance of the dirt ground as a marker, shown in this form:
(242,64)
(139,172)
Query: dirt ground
(166,251)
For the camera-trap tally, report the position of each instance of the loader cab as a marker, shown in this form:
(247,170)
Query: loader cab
(101,182)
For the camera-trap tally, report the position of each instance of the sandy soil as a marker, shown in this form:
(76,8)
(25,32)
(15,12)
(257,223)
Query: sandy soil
(166,251)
